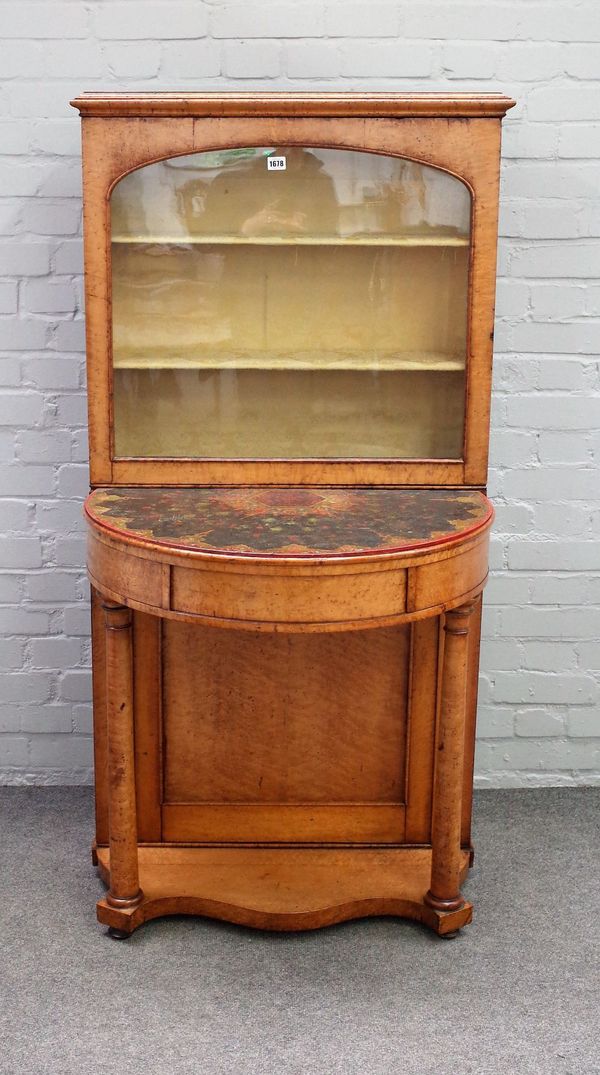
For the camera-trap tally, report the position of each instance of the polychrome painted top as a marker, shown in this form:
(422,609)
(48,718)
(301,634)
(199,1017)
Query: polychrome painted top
(298,521)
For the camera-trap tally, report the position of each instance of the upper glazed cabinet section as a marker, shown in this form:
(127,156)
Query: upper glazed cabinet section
(312,306)
(289,302)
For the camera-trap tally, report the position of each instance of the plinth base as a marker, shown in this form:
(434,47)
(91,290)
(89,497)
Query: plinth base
(282,888)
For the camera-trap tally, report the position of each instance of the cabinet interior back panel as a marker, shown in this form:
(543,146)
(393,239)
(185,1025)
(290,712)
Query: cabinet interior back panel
(204,303)
(288,414)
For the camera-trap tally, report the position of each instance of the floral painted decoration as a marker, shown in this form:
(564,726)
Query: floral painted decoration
(296,521)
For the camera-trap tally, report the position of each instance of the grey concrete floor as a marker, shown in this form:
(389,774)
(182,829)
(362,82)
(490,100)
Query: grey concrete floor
(517,992)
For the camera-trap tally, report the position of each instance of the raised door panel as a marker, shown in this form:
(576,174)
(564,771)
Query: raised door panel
(314,725)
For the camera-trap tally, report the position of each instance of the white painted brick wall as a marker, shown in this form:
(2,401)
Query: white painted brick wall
(539,720)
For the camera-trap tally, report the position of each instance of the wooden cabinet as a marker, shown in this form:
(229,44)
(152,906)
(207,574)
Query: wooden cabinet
(289,309)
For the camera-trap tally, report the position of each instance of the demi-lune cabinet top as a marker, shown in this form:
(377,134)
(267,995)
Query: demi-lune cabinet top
(289,104)
(287,558)
(290,522)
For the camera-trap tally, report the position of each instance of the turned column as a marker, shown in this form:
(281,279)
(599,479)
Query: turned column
(124,876)
(444,892)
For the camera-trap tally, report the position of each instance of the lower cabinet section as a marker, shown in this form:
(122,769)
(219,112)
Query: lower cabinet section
(243,737)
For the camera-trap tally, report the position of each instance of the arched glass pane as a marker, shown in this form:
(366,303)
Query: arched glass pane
(285,302)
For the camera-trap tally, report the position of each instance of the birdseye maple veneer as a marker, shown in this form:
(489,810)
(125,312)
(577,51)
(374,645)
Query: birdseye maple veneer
(289,304)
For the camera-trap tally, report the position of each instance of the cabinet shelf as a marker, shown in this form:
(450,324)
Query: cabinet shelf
(163,359)
(291,240)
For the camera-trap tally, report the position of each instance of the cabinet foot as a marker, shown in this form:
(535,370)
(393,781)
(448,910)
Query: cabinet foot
(118,934)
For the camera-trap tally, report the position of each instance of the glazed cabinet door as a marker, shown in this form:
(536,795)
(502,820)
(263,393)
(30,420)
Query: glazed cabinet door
(313,310)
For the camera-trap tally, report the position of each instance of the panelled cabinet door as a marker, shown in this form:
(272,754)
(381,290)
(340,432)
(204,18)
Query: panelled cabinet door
(347,760)
(383,714)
